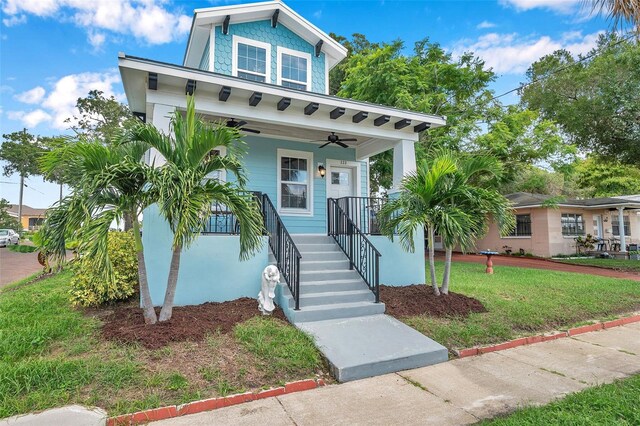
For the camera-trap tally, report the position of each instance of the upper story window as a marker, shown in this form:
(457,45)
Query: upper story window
(251,59)
(572,224)
(294,69)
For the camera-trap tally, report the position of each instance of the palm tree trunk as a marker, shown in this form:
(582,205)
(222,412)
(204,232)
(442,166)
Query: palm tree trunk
(432,260)
(149,313)
(172,282)
(447,270)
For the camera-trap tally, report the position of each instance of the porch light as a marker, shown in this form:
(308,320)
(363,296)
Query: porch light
(321,170)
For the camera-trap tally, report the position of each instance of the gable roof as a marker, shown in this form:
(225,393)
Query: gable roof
(204,18)
(26,210)
(526,199)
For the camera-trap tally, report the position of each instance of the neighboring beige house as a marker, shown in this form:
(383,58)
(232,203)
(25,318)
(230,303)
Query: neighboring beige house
(548,231)
(31,218)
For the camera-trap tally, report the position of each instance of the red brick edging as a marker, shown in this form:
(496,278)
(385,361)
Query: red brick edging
(463,353)
(162,413)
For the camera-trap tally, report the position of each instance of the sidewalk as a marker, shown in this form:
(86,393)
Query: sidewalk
(457,392)
(16,266)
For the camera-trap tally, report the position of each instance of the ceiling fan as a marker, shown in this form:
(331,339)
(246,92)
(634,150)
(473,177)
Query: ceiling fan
(240,126)
(333,138)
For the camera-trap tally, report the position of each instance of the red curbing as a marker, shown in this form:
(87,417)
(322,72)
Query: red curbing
(162,413)
(463,353)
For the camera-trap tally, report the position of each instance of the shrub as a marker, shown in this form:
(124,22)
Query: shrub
(23,248)
(89,288)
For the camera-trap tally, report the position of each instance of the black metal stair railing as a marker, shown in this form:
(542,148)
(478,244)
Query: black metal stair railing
(363,211)
(362,255)
(284,249)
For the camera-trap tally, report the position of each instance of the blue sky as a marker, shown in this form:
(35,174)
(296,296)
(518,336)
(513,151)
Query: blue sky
(54,51)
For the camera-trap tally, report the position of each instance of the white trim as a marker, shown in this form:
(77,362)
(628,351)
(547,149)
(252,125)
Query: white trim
(254,43)
(307,155)
(283,50)
(355,165)
(212,48)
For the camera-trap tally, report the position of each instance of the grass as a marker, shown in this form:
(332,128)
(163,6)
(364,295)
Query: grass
(22,248)
(627,265)
(523,301)
(613,404)
(52,354)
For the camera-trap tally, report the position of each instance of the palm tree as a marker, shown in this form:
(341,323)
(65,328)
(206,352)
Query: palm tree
(420,206)
(185,193)
(447,195)
(110,182)
(476,202)
(620,10)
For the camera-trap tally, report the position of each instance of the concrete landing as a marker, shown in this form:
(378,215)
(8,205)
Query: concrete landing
(372,345)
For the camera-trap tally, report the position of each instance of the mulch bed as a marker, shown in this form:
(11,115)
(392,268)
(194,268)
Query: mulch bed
(418,299)
(125,323)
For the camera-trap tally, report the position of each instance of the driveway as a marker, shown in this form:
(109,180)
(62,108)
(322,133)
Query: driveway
(16,266)
(528,262)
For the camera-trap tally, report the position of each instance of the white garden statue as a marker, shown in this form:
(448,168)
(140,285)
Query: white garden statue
(270,278)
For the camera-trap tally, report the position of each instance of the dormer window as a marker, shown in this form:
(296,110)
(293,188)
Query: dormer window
(251,59)
(294,69)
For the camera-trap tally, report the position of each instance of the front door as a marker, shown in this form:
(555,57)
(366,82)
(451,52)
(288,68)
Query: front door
(341,182)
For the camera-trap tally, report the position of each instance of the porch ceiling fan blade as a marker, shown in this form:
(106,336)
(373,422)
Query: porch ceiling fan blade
(349,140)
(344,145)
(322,146)
(250,130)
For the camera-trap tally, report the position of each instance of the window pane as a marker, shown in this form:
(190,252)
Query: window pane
(253,59)
(294,68)
(294,85)
(252,77)
(294,196)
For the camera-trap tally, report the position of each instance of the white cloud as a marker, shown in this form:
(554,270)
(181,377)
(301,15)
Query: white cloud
(317,14)
(147,20)
(59,104)
(513,54)
(32,96)
(562,6)
(15,20)
(485,24)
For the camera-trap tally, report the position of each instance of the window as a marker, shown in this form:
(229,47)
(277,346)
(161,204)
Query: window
(572,224)
(523,226)
(295,181)
(615,226)
(251,59)
(294,69)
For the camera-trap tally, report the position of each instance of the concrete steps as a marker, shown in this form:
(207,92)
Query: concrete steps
(338,309)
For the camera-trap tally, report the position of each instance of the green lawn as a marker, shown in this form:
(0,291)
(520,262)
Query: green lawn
(526,301)
(614,404)
(53,355)
(617,264)
(22,248)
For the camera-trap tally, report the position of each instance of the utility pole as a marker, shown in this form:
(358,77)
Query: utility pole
(24,134)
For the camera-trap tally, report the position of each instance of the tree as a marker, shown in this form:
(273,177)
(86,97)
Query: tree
(431,81)
(595,101)
(58,176)
(110,182)
(21,151)
(6,220)
(101,118)
(185,194)
(449,194)
(601,178)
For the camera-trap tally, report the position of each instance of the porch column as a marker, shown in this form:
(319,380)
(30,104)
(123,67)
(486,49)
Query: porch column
(404,162)
(623,242)
(161,119)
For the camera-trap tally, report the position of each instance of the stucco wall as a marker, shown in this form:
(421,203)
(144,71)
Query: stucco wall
(537,243)
(279,36)
(399,267)
(210,270)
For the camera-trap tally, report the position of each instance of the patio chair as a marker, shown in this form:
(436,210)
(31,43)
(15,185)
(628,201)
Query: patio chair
(602,245)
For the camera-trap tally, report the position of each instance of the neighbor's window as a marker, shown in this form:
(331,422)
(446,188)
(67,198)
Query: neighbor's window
(252,61)
(295,182)
(294,69)
(615,226)
(523,226)
(572,224)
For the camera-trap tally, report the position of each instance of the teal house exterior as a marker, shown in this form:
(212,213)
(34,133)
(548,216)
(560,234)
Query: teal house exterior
(264,69)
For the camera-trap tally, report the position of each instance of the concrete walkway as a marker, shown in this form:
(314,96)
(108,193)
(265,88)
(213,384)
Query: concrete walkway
(16,266)
(528,262)
(458,392)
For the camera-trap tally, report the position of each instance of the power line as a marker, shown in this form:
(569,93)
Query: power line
(564,67)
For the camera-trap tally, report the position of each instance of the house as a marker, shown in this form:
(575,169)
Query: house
(32,218)
(547,227)
(264,69)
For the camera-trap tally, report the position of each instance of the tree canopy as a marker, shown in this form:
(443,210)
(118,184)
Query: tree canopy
(101,118)
(21,151)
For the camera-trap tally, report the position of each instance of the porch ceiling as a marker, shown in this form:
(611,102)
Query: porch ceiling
(307,116)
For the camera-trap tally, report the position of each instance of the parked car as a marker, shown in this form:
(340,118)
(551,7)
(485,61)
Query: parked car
(8,236)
